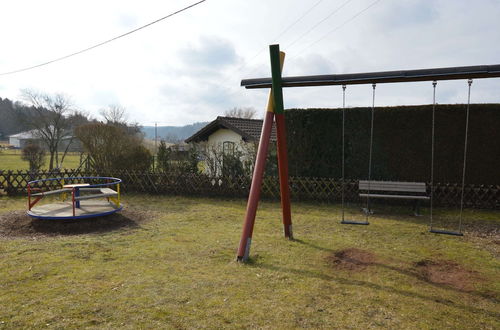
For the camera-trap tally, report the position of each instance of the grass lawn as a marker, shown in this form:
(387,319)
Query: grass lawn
(11,160)
(175,268)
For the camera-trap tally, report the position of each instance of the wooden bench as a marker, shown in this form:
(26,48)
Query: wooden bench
(416,191)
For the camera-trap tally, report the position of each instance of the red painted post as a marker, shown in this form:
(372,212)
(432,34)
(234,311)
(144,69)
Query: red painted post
(254,196)
(274,105)
(29,197)
(283,174)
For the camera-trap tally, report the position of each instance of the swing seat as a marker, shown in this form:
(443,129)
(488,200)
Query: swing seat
(446,232)
(353,222)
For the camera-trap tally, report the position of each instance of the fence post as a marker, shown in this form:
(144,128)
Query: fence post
(10,187)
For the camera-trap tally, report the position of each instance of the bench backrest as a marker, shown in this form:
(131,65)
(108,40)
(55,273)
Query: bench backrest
(409,187)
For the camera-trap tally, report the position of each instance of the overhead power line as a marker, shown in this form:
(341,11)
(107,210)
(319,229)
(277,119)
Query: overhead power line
(352,18)
(275,39)
(102,43)
(278,36)
(298,20)
(317,24)
(287,47)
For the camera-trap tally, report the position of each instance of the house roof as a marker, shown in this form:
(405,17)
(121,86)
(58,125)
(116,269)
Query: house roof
(24,135)
(249,129)
(31,135)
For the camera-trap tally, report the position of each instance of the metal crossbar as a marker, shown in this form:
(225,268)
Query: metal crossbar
(449,73)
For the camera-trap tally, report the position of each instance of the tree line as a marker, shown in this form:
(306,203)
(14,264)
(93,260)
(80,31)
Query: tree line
(57,123)
(112,143)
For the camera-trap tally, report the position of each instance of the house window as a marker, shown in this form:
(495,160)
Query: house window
(228,148)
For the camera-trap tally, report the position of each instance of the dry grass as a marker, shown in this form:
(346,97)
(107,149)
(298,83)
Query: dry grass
(11,160)
(176,269)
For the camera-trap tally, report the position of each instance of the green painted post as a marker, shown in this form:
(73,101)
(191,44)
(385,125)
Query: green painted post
(279,111)
(274,52)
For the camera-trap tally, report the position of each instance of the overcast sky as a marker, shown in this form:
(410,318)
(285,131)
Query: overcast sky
(188,68)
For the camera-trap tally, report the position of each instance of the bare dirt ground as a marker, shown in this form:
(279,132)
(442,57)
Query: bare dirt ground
(352,259)
(483,230)
(18,224)
(448,273)
(434,271)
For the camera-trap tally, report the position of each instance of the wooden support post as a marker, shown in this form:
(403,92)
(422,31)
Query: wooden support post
(29,197)
(254,196)
(283,175)
(275,101)
(277,60)
(10,186)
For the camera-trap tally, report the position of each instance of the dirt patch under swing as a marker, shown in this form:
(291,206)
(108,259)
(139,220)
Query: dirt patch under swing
(19,224)
(439,272)
(352,259)
(447,272)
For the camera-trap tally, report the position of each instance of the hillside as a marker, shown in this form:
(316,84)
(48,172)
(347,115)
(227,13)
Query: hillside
(11,114)
(172,133)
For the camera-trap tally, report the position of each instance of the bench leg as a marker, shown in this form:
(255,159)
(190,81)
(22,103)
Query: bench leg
(367,210)
(416,208)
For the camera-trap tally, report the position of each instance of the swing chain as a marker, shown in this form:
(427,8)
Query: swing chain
(343,150)
(434,84)
(469,83)
(374,85)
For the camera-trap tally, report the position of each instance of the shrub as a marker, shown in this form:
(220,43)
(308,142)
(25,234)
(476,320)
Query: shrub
(176,161)
(163,160)
(137,157)
(35,155)
(401,143)
(114,147)
(237,160)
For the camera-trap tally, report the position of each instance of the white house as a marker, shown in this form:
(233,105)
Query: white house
(231,135)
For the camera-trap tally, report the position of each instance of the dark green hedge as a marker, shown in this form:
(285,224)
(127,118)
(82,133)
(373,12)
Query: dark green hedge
(402,143)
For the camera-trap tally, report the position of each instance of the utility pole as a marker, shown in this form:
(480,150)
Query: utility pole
(156,138)
(156,145)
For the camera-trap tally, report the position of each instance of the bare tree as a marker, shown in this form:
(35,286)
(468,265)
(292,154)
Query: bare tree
(49,120)
(114,114)
(247,113)
(212,155)
(217,161)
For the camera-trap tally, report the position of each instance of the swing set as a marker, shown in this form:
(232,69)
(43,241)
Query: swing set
(275,111)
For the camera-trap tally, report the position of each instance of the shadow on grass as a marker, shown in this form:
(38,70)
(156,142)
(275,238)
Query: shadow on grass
(378,287)
(409,272)
(84,226)
(18,224)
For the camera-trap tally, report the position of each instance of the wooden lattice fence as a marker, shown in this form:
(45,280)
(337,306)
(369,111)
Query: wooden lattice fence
(311,189)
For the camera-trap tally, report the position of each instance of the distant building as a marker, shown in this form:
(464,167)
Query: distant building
(20,140)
